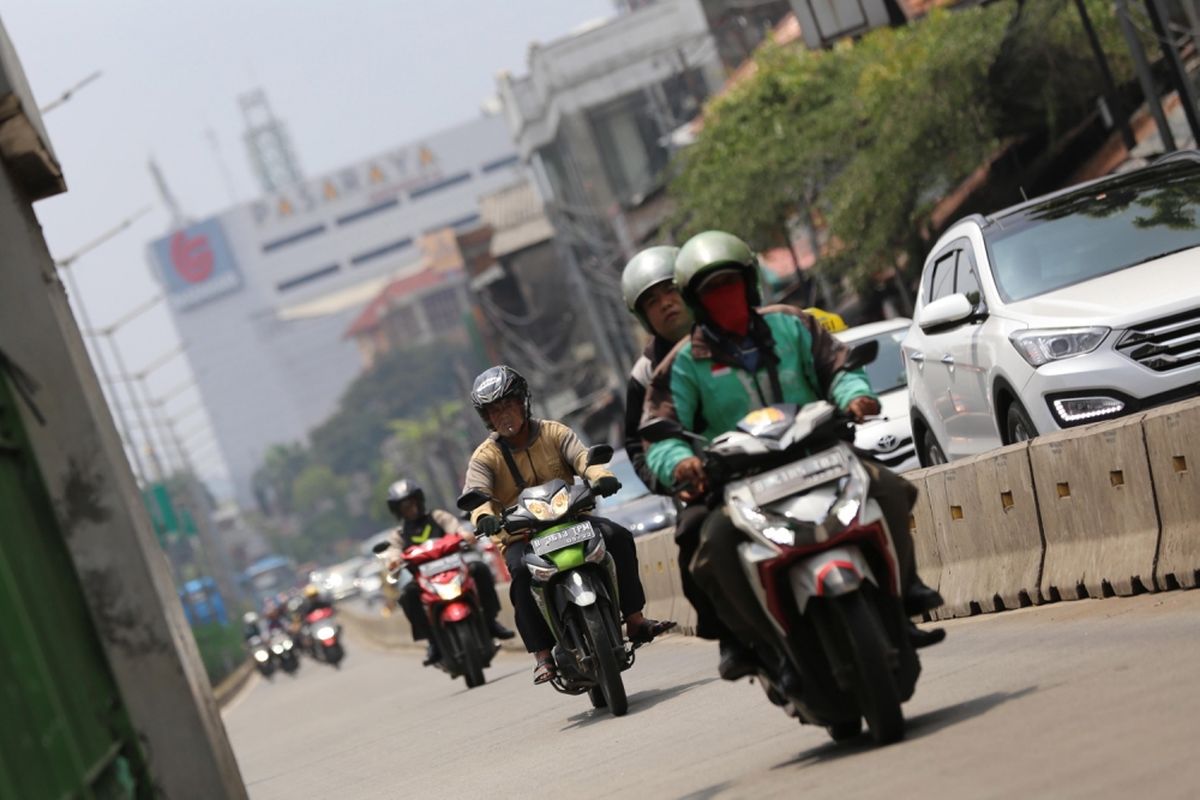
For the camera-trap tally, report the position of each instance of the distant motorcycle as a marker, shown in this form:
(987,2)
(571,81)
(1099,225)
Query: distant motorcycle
(323,634)
(574,584)
(451,603)
(283,648)
(819,553)
(260,651)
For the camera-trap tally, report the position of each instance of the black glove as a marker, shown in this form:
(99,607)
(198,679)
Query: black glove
(607,485)
(489,525)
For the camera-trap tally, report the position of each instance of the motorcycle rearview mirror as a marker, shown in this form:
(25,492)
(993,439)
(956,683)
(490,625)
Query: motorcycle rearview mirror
(861,354)
(472,499)
(599,454)
(381,548)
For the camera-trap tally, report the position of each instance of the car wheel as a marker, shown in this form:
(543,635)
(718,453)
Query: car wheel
(1018,427)
(931,451)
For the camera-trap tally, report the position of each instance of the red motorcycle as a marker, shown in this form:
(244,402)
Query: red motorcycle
(451,602)
(324,636)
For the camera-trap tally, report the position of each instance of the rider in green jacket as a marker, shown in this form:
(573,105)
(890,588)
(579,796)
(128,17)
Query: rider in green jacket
(740,357)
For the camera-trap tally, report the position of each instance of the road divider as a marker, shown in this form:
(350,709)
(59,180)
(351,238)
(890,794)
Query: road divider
(1106,509)
(1173,448)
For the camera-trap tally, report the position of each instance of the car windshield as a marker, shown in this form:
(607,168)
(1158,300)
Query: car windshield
(886,372)
(631,485)
(1108,227)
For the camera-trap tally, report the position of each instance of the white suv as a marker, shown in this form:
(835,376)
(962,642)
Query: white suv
(1075,307)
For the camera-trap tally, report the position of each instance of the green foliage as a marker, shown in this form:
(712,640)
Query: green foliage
(220,648)
(869,136)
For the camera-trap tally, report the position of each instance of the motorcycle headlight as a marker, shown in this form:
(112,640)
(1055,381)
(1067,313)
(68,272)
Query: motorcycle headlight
(449,590)
(287,645)
(545,512)
(852,496)
(261,655)
(326,632)
(773,528)
(1040,347)
(277,649)
(540,573)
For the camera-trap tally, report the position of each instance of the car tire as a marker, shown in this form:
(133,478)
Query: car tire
(931,453)
(1018,427)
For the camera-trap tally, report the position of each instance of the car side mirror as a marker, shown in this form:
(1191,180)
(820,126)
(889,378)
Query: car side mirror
(862,354)
(381,548)
(599,454)
(472,499)
(945,311)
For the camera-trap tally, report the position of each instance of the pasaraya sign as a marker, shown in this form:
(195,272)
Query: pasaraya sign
(196,264)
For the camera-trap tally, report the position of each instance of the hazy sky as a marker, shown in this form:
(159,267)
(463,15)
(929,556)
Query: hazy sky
(349,78)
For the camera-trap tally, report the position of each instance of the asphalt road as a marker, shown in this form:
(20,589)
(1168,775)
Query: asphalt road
(1094,699)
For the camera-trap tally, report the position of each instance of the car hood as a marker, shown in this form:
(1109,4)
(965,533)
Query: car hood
(1121,298)
(648,512)
(894,422)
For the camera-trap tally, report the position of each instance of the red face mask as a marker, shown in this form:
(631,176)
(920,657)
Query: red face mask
(727,307)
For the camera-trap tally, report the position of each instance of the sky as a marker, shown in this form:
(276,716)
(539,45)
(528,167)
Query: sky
(348,78)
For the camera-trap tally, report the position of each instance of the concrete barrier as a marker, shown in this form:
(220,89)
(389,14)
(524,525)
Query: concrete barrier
(985,526)
(227,689)
(656,562)
(920,527)
(1097,509)
(1173,448)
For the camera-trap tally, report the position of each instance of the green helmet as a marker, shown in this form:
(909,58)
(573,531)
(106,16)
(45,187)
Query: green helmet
(708,252)
(650,267)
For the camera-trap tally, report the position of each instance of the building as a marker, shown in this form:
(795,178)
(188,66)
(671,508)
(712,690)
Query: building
(265,293)
(593,117)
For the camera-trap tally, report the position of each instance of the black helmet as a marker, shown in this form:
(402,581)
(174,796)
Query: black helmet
(497,383)
(402,490)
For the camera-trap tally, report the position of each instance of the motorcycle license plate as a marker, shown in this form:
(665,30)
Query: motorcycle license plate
(798,476)
(443,564)
(575,534)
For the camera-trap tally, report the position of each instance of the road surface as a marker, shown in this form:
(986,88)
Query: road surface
(1090,699)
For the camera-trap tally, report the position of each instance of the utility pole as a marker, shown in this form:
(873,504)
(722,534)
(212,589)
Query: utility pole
(1176,69)
(1145,76)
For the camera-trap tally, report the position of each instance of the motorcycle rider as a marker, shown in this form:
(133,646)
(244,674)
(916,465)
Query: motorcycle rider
(250,628)
(524,451)
(737,358)
(406,501)
(648,287)
(311,600)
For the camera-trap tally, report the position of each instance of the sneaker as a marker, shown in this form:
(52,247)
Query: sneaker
(737,660)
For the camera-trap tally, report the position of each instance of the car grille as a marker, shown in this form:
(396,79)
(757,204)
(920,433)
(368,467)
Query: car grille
(1164,344)
(899,455)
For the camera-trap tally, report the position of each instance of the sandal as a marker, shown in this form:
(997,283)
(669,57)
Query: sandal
(649,629)
(544,671)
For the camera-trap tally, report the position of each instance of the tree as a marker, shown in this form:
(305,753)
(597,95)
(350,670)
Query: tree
(870,136)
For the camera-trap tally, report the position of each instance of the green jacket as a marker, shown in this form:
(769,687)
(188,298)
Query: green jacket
(708,393)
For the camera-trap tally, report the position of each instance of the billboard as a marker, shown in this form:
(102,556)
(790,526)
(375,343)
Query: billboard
(195,264)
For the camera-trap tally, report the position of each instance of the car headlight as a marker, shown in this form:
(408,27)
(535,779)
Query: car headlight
(545,512)
(1073,410)
(326,632)
(261,655)
(1040,347)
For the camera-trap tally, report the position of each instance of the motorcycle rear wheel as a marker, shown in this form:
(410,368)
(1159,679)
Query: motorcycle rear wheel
(608,674)
(461,640)
(874,684)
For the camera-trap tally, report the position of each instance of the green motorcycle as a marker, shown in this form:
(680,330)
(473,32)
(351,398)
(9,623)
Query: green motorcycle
(574,585)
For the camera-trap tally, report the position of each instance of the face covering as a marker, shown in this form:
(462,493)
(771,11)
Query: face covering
(727,307)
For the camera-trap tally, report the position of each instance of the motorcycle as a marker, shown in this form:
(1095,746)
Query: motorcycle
(261,652)
(819,555)
(283,648)
(323,634)
(574,585)
(451,602)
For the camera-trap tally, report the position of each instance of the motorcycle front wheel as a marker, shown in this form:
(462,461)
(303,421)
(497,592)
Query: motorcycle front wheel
(599,640)
(462,641)
(874,684)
